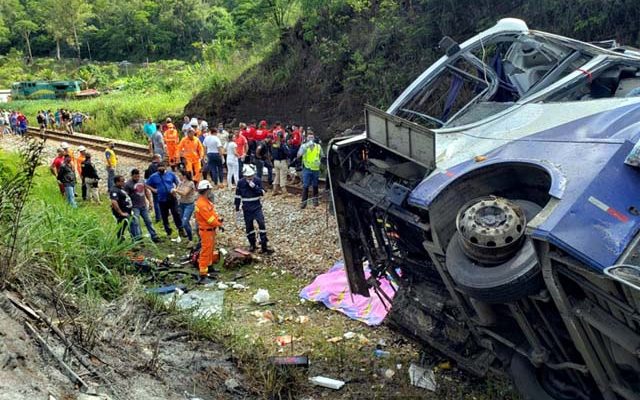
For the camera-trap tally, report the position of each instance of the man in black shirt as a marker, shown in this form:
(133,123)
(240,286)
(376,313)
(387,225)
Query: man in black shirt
(121,206)
(139,194)
(67,178)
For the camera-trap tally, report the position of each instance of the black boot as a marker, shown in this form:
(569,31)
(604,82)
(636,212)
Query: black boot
(305,197)
(316,201)
(265,250)
(252,247)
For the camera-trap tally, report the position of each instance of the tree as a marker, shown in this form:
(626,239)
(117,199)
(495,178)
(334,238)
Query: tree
(25,27)
(75,22)
(52,13)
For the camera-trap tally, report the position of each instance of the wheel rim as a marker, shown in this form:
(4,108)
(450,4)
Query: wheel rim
(491,229)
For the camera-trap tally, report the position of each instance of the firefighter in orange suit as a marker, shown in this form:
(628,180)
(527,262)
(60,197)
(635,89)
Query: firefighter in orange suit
(208,221)
(172,139)
(191,149)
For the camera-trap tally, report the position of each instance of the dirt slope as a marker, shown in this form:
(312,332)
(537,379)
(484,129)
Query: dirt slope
(336,59)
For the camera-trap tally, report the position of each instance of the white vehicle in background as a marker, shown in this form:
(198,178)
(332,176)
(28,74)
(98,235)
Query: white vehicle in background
(497,185)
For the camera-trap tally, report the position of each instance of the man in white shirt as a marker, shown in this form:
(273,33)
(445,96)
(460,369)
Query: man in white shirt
(186,125)
(213,146)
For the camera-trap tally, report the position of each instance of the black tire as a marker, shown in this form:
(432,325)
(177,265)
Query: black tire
(512,280)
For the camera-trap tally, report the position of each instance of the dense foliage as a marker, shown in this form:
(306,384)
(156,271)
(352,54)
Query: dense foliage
(139,30)
(344,53)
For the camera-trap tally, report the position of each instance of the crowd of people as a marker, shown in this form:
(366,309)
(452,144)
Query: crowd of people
(187,165)
(69,121)
(13,122)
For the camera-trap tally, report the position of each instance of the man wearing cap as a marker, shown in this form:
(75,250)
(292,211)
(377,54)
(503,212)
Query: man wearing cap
(311,154)
(192,150)
(82,154)
(163,184)
(171,140)
(248,193)
(208,221)
(111,163)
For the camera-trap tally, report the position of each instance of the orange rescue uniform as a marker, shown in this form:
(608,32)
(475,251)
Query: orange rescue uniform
(208,221)
(172,139)
(79,161)
(193,151)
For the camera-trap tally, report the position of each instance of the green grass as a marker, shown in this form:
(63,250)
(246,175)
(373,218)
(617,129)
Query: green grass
(117,114)
(75,248)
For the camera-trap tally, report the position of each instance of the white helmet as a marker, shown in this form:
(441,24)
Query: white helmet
(194,122)
(82,148)
(64,145)
(248,170)
(204,185)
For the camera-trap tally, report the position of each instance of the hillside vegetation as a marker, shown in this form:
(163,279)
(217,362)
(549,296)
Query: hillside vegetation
(344,53)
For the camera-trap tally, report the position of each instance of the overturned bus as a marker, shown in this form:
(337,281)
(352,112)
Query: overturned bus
(495,191)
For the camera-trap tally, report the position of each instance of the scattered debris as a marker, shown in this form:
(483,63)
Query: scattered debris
(423,378)
(381,353)
(389,373)
(284,340)
(204,303)
(302,319)
(263,316)
(327,382)
(445,365)
(231,384)
(349,335)
(222,286)
(293,361)
(335,339)
(166,289)
(261,297)
(239,286)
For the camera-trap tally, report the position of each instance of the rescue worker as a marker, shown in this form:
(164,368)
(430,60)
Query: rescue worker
(111,163)
(248,193)
(193,152)
(171,140)
(311,154)
(82,155)
(208,221)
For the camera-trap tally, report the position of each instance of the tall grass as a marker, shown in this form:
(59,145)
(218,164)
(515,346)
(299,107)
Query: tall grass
(118,115)
(78,245)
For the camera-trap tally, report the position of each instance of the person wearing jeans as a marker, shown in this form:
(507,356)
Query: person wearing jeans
(188,195)
(164,183)
(67,178)
(139,195)
(112,163)
(214,149)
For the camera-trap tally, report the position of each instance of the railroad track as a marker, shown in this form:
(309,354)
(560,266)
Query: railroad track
(125,149)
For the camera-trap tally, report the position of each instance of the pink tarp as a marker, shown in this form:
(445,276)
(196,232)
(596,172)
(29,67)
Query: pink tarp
(332,289)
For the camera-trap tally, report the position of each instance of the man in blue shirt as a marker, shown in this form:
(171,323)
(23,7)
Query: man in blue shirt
(149,128)
(163,184)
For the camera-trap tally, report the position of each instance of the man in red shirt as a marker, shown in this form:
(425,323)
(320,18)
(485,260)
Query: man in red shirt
(251,137)
(243,147)
(262,132)
(294,141)
(56,164)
